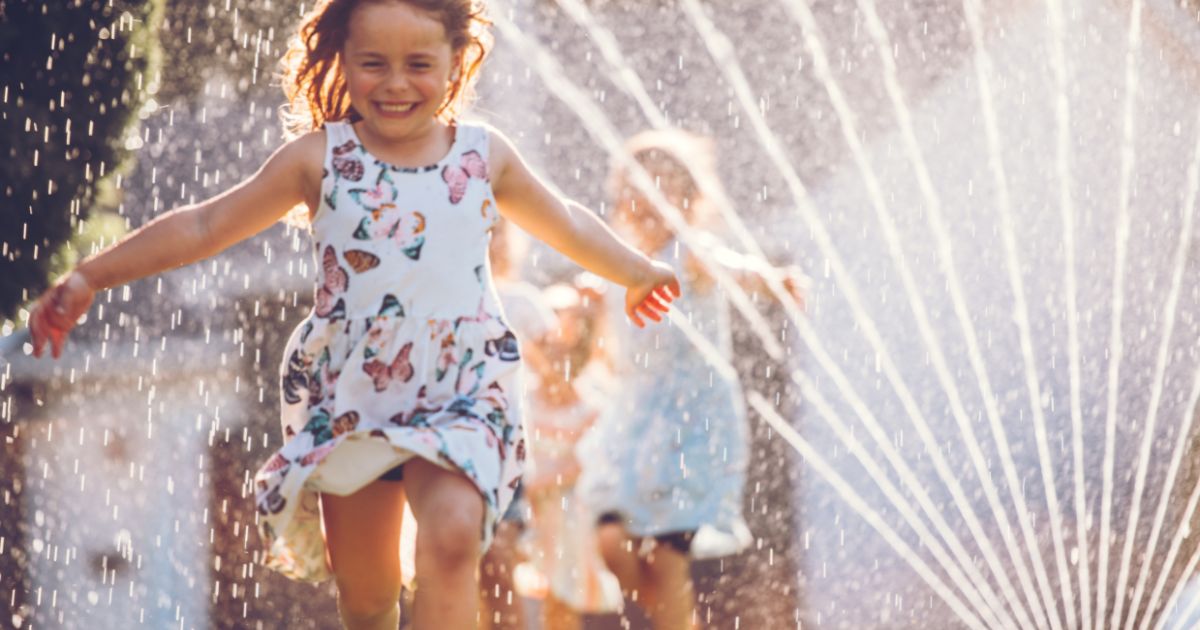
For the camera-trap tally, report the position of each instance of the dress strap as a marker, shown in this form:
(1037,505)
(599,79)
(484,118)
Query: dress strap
(472,137)
(337,133)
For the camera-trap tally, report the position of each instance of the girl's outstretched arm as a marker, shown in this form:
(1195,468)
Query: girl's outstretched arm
(579,234)
(186,234)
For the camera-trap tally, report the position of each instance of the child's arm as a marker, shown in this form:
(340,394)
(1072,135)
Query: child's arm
(579,234)
(753,274)
(289,177)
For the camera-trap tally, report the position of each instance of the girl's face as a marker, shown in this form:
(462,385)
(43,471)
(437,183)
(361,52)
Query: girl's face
(558,346)
(639,219)
(398,66)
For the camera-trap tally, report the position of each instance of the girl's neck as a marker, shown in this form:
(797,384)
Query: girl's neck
(424,146)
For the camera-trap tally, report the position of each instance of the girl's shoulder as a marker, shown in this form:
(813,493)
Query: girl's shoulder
(311,145)
(306,153)
(301,160)
(308,147)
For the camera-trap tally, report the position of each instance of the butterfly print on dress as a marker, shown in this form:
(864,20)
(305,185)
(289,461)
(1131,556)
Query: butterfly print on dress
(406,230)
(345,423)
(277,462)
(350,168)
(471,165)
(505,347)
(297,377)
(361,260)
(391,306)
(272,503)
(323,429)
(317,454)
(399,371)
(336,282)
(378,199)
(468,379)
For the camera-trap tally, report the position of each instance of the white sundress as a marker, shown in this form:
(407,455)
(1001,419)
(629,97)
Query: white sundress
(406,352)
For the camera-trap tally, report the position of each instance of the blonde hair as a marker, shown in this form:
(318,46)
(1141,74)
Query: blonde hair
(312,66)
(674,158)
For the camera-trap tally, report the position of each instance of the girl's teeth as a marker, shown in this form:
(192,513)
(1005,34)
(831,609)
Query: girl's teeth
(397,108)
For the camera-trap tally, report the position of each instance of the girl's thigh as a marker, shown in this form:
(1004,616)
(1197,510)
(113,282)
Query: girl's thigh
(362,534)
(448,507)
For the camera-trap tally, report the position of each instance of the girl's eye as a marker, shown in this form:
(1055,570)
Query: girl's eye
(372,64)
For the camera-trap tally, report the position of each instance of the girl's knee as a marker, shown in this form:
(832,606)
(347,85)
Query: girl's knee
(613,542)
(666,565)
(365,600)
(451,538)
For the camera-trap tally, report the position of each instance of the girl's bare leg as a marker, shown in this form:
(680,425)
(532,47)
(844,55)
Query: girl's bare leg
(449,512)
(619,551)
(500,605)
(362,539)
(667,582)
(558,616)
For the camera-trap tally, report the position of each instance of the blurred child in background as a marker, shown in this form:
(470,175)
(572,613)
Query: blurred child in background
(562,406)
(664,468)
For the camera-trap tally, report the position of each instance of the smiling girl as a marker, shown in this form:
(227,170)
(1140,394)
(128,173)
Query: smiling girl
(394,386)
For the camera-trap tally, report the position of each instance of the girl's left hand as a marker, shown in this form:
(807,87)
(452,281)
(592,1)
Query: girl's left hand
(797,284)
(651,297)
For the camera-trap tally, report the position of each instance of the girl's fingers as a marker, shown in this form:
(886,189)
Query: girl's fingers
(58,338)
(652,301)
(664,293)
(633,317)
(674,286)
(43,331)
(649,313)
(35,331)
(56,317)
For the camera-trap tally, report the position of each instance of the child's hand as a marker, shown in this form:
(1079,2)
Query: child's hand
(796,283)
(57,311)
(651,296)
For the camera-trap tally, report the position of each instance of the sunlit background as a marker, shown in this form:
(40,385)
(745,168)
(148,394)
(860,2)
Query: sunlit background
(991,395)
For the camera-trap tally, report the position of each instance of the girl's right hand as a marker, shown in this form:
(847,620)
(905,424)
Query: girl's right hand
(58,310)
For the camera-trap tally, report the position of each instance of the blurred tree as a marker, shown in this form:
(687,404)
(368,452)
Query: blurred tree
(75,72)
(234,41)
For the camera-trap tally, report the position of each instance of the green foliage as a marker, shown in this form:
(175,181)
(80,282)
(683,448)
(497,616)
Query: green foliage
(75,72)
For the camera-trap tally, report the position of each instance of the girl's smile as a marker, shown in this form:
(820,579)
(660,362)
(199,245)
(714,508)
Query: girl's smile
(398,110)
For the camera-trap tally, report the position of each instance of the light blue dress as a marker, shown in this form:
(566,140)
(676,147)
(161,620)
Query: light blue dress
(670,450)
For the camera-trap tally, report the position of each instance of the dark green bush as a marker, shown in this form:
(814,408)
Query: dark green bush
(74,73)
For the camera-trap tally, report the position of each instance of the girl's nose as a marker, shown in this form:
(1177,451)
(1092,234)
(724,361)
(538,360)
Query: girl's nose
(396,82)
